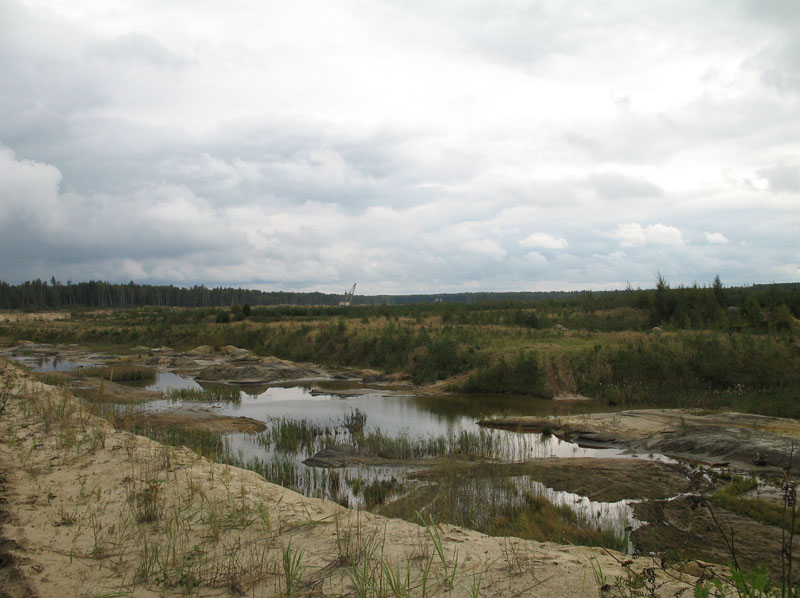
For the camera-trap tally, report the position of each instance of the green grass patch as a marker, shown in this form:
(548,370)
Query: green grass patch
(522,374)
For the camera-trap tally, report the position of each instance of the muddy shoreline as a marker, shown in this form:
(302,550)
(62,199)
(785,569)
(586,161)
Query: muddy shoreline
(738,440)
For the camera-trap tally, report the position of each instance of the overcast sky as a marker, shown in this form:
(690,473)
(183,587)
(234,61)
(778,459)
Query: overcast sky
(407,146)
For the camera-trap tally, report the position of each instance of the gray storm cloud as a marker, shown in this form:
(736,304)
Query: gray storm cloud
(411,147)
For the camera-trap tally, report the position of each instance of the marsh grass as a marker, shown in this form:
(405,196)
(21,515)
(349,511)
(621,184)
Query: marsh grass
(145,498)
(731,499)
(205,443)
(61,379)
(487,499)
(481,497)
(217,393)
(290,435)
(462,443)
(296,436)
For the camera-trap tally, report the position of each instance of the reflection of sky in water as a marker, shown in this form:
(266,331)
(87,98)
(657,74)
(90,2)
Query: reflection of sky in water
(42,363)
(393,415)
(604,515)
(166,380)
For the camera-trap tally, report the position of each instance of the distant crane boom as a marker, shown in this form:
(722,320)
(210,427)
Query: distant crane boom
(348,296)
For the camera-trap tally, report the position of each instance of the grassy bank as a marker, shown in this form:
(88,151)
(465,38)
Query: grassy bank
(493,348)
(752,373)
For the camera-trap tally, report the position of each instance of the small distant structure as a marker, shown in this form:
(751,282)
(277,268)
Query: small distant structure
(438,300)
(348,297)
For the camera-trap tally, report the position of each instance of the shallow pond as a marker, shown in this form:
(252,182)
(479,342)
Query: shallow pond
(450,421)
(419,420)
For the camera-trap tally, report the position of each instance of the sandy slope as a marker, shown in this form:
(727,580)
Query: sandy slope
(76,492)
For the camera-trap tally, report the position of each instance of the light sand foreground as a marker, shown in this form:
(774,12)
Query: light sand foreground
(88,510)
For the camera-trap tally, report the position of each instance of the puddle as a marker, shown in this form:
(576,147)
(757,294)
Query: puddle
(50,363)
(169,380)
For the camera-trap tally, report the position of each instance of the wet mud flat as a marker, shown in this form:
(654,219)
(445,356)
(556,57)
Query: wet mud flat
(197,419)
(765,445)
(713,451)
(683,530)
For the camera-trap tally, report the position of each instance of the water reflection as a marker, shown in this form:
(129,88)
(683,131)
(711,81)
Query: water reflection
(49,363)
(166,381)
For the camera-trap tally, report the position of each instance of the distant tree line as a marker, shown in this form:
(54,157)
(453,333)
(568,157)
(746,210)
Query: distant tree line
(38,294)
(694,306)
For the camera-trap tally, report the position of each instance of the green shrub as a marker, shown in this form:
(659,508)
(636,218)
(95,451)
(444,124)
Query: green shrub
(521,374)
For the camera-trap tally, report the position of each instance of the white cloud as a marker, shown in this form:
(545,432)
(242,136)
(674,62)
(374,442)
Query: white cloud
(717,238)
(544,241)
(634,234)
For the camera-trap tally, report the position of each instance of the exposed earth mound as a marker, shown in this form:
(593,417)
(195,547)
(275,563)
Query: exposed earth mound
(262,372)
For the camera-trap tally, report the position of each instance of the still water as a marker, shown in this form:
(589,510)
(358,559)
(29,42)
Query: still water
(393,416)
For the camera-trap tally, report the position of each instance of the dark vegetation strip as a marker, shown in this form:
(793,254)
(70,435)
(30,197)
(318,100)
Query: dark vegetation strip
(118,373)
(693,304)
(721,347)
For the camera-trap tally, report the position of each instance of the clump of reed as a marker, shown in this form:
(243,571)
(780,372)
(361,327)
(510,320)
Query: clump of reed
(463,443)
(118,373)
(212,394)
(378,492)
(302,436)
(355,422)
(289,435)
